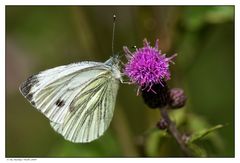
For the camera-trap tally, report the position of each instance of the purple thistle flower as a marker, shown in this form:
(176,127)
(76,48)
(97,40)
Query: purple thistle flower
(147,66)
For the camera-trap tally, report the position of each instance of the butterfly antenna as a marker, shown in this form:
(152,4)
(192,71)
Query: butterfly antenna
(113,31)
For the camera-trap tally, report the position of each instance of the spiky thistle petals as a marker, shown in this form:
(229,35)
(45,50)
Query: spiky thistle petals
(147,66)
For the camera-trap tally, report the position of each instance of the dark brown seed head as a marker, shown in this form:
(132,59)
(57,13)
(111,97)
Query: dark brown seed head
(157,97)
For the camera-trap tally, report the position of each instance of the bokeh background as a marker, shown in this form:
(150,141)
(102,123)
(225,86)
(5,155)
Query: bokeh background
(42,37)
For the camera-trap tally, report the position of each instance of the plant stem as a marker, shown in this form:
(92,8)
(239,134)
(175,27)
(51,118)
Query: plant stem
(174,131)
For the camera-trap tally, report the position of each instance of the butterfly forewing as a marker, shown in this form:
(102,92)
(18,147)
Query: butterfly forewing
(52,91)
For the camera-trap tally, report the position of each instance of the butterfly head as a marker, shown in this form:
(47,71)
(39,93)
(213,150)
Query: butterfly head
(113,62)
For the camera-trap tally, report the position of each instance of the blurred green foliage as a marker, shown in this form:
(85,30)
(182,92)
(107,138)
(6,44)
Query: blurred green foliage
(41,37)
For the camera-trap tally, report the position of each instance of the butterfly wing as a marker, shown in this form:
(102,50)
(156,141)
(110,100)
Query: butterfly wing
(94,110)
(52,91)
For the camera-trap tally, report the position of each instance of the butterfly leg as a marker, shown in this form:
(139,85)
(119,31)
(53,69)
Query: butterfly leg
(125,82)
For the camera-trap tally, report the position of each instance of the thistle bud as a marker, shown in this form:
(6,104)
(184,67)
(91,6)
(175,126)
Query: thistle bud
(177,98)
(162,124)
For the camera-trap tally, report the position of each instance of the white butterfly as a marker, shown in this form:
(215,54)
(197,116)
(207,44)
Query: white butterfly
(78,98)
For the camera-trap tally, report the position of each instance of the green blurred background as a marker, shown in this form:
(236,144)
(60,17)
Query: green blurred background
(42,37)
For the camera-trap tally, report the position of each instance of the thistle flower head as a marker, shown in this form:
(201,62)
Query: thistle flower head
(147,66)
